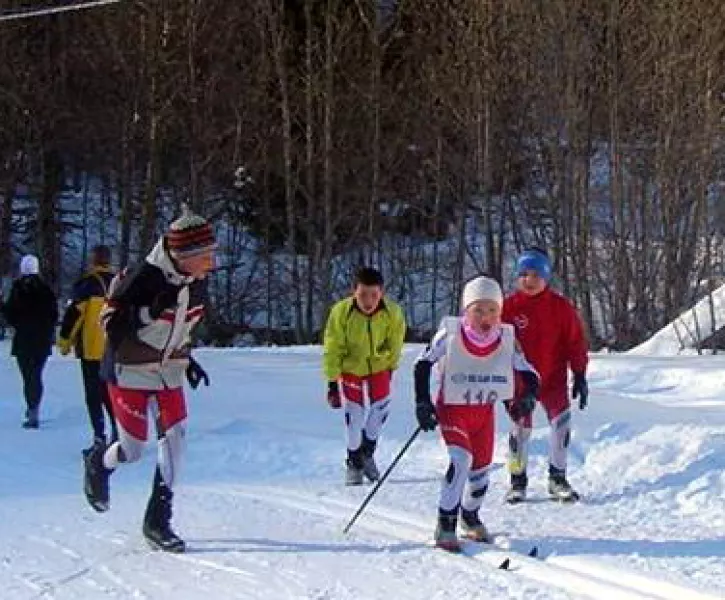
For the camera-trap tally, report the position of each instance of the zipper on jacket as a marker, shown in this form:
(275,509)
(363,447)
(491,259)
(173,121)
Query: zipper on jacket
(163,350)
(372,347)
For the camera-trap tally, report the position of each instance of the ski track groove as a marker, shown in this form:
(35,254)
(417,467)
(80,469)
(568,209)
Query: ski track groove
(570,574)
(210,566)
(21,578)
(248,577)
(129,590)
(88,568)
(47,587)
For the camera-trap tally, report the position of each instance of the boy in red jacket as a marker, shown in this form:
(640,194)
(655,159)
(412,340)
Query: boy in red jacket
(552,337)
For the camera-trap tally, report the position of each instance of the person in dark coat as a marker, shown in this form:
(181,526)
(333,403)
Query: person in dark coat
(32,310)
(81,330)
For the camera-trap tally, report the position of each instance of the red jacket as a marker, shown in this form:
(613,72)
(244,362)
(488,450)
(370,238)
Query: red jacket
(551,335)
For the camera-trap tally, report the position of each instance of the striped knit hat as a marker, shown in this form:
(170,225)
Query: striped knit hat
(189,235)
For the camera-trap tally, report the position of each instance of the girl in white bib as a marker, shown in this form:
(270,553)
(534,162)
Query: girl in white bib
(477,356)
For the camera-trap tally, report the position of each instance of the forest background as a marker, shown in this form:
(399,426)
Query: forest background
(432,139)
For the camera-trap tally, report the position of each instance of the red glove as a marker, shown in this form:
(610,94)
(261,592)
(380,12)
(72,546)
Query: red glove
(333,395)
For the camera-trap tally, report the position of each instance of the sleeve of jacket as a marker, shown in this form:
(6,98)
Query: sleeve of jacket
(334,342)
(397,335)
(120,314)
(578,343)
(423,366)
(75,311)
(10,307)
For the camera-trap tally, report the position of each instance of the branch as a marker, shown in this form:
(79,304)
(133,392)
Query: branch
(29,13)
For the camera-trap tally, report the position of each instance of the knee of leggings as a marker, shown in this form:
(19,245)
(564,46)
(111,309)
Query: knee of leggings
(130,452)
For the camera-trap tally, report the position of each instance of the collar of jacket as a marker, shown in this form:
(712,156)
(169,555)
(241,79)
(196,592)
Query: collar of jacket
(542,294)
(98,271)
(381,306)
(159,258)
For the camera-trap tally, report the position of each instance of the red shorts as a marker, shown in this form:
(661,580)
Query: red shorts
(377,385)
(130,408)
(469,427)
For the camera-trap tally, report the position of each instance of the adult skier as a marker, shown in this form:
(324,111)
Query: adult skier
(32,310)
(81,330)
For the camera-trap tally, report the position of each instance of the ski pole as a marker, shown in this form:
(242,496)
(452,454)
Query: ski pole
(382,479)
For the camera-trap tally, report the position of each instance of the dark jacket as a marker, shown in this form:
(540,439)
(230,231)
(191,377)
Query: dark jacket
(148,319)
(32,310)
(81,325)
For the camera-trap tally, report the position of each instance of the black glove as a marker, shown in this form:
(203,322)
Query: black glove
(526,404)
(166,298)
(522,407)
(425,412)
(195,374)
(580,390)
(334,399)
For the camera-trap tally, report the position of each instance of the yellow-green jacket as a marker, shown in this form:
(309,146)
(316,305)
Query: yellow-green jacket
(81,325)
(359,344)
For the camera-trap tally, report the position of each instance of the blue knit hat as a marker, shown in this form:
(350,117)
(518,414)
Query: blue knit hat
(535,260)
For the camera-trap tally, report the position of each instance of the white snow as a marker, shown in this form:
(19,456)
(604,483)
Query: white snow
(262,505)
(689,329)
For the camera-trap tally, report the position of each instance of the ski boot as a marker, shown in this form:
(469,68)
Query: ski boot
(95,484)
(32,420)
(445,533)
(517,492)
(97,441)
(355,465)
(156,523)
(370,469)
(559,487)
(472,527)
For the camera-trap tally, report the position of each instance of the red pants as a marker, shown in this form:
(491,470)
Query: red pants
(471,428)
(377,384)
(130,407)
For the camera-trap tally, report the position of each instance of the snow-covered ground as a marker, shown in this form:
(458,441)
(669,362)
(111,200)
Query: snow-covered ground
(262,505)
(689,329)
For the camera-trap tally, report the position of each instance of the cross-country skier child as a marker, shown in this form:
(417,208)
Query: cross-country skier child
(363,343)
(552,336)
(478,356)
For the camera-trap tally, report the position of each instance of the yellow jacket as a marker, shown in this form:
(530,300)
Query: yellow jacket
(359,344)
(81,325)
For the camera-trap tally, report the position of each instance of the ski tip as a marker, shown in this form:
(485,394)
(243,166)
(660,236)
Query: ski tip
(505,564)
(534,552)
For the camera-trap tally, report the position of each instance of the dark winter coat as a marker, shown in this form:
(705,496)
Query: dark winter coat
(81,325)
(32,310)
(148,319)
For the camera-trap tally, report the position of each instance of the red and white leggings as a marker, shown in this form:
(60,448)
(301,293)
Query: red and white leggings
(354,389)
(558,413)
(468,432)
(130,409)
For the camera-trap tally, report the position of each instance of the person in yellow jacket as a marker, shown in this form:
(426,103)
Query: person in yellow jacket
(81,329)
(363,342)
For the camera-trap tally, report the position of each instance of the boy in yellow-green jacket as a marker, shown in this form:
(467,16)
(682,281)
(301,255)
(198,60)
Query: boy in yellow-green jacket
(363,342)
